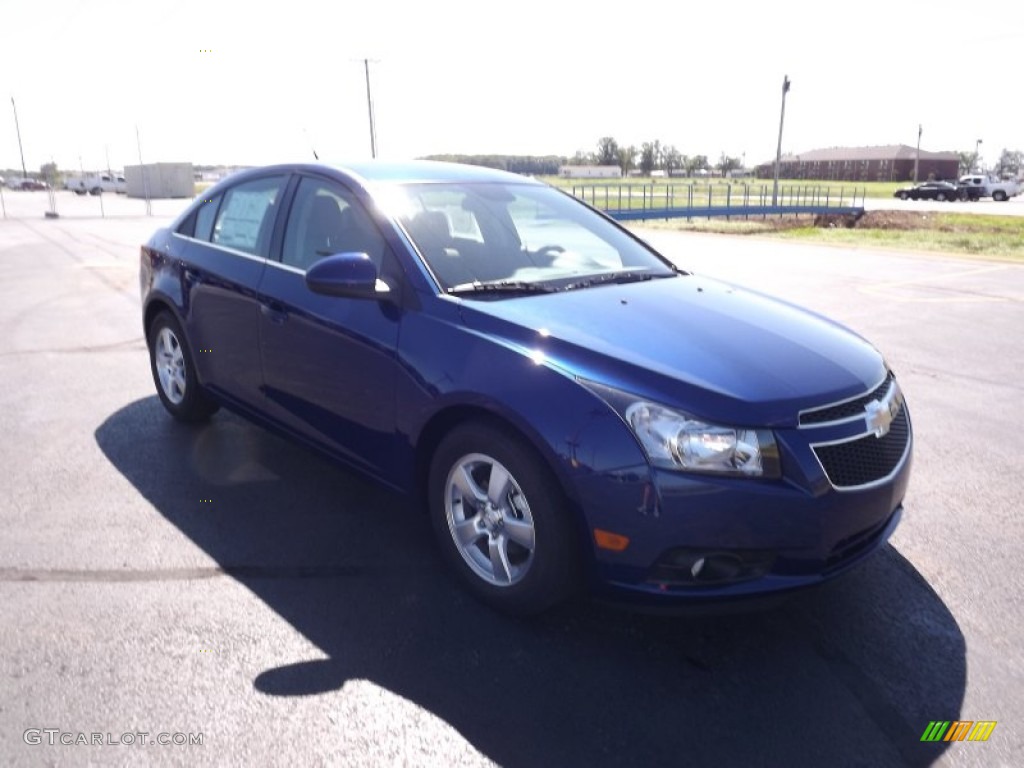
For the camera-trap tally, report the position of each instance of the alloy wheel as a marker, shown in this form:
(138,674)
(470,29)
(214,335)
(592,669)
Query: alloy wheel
(489,520)
(169,361)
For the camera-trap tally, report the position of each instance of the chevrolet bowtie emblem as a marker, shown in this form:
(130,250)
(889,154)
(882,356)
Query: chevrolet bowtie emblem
(878,414)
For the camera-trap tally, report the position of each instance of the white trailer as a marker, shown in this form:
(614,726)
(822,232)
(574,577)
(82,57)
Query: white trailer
(160,180)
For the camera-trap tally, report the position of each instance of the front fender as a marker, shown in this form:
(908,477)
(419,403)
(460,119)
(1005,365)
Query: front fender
(573,430)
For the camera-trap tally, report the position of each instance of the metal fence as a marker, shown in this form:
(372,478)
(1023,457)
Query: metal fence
(655,201)
(64,204)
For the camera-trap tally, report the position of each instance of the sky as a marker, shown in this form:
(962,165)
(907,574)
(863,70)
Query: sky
(249,83)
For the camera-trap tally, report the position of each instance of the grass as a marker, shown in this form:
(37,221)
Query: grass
(999,237)
(963,234)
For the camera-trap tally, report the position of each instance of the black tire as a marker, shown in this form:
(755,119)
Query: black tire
(547,574)
(174,374)
(1000,196)
(903,195)
(80,192)
(941,197)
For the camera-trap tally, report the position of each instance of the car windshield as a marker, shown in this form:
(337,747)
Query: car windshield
(512,237)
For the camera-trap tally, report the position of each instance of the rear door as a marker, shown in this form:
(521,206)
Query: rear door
(329,363)
(224,259)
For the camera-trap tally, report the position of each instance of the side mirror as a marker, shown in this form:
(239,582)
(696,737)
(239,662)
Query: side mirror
(352,275)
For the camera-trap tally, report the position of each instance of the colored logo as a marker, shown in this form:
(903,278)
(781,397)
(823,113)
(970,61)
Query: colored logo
(959,730)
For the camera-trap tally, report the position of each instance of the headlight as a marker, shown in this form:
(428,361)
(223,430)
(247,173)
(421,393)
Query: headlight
(676,440)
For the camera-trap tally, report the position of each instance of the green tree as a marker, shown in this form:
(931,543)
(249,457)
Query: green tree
(697,163)
(607,151)
(671,159)
(649,151)
(651,156)
(968,161)
(581,158)
(627,159)
(1010,162)
(726,164)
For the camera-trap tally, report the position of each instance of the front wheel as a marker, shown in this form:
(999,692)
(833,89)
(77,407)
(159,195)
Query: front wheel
(501,520)
(173,372)
(999,195)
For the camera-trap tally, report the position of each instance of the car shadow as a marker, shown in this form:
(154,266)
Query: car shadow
(850,673)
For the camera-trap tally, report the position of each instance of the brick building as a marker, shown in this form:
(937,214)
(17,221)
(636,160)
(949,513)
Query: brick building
(894,162)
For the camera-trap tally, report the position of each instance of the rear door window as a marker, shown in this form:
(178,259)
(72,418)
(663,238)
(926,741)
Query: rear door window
(246,215)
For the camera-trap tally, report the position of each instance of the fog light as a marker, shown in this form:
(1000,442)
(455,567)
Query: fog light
(696,568)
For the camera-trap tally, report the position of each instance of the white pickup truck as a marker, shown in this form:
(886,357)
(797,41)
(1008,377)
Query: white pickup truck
(986,186)
(96,184)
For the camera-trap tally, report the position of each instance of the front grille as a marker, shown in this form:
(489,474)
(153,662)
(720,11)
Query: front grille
(847,409)
(866,459)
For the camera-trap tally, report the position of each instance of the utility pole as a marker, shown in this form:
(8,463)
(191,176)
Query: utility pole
(142,168)
(369,107)
(977,156)
(778,150)
(17,128)
(917,157)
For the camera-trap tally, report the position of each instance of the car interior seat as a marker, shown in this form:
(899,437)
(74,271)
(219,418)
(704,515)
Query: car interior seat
(323,234)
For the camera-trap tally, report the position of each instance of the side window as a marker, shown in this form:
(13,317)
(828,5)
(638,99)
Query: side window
(246,215)
(204,218)
(326,219)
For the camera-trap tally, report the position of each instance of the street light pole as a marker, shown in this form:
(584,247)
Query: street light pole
(17,128)
(977,155)
(778,150)
(917,157)
(369,107)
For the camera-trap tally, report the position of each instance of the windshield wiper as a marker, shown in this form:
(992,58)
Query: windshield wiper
(615,277)
(500,286)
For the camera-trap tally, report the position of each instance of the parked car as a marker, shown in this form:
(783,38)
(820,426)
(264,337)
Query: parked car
(929,190)
(986,186)
(27,185)
(573,409)
(96,184)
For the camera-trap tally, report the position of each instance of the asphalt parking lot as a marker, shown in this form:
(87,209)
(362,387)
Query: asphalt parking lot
(217,580)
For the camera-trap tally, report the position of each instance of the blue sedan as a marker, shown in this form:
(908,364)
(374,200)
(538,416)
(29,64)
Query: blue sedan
(575,411)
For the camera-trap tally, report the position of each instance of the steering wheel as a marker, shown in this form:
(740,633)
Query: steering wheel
(549,252)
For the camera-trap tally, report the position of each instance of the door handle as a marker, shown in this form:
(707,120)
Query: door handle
(274,312)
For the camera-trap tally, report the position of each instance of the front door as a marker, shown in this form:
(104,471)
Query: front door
(329,363)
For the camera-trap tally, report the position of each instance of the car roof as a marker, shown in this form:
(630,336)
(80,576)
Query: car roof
(394,172)
(425,171)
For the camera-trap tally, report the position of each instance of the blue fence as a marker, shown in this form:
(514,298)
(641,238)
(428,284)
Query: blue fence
(629,202)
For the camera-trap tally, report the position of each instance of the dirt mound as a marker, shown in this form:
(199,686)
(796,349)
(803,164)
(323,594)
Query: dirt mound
(896,220)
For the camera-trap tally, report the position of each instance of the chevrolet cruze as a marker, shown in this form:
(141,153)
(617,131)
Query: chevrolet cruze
(574,411)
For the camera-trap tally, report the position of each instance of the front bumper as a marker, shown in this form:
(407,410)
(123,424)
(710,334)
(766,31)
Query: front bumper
(695,539)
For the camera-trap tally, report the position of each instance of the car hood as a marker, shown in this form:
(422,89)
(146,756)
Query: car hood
(720,352)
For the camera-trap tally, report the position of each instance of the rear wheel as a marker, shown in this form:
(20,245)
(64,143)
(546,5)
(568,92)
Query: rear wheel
(173,372)
(941,197)
(501,521)
(904,195)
